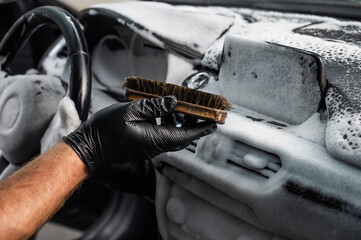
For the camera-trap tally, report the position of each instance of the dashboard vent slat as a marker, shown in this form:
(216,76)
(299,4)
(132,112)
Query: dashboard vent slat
(247,157)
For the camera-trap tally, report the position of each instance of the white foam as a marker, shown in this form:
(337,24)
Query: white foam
(146,34)
(93,12)
(2,74)
(213,56)
(183,27)
(121,21)
(55,65)
(343,134)
(177,69)
(64,122)
(302,31)
(313,129)
(282,32)
(278,28)
(27,103)
(31,17)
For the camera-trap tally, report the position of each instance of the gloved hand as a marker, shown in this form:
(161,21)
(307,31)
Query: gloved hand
(124,133)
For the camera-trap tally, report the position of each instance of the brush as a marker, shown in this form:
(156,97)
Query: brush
(192,102)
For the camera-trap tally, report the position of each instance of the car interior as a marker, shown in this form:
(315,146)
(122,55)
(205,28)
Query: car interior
(285,165)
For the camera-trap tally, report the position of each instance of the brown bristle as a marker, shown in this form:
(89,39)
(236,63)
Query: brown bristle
(181,93)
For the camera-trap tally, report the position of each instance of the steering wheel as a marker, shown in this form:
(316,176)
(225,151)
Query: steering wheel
(123,210)
(79,87)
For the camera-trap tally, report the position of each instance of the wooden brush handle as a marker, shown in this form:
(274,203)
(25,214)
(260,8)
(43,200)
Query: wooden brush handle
(202,112)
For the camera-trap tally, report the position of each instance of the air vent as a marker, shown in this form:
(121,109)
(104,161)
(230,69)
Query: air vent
(192,147)
(261,162)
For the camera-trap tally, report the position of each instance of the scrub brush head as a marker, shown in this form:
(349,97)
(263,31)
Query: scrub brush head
(190,101)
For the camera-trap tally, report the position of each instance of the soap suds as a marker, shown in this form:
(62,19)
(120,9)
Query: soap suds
(337,41)
(55,65)
(213,56)
(313,129)
(64,122)
(312,33)
(158,21)
(31,17)
(121,21)
(343,133)
(92,12)
(146,34)
(27,105)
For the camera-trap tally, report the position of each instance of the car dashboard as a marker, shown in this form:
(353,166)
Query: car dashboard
(280,167)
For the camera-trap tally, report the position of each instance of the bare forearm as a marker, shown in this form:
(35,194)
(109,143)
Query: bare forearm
(34,193)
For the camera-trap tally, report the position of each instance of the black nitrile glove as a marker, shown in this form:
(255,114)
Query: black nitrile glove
(124,133)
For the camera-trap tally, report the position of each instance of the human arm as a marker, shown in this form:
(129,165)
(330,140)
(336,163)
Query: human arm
(30,196)
(111,138)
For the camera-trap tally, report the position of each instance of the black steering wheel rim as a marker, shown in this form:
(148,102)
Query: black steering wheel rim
(79,88)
